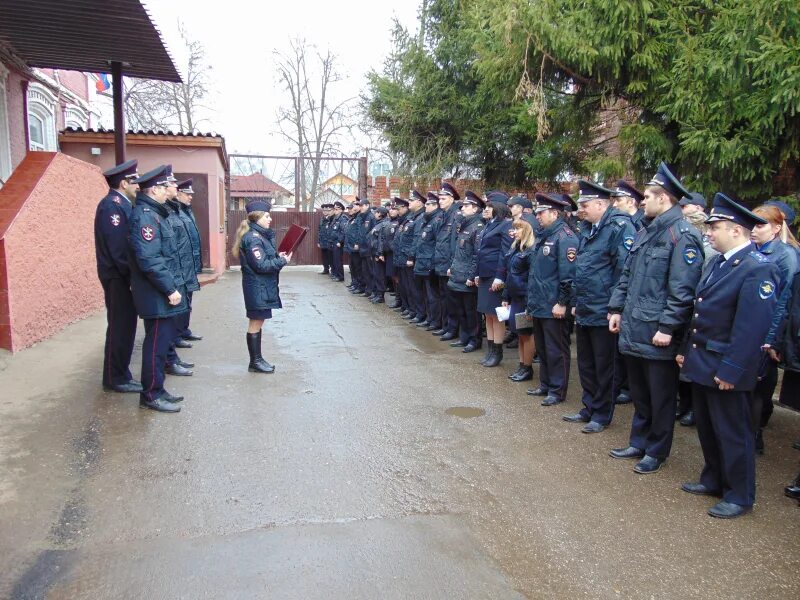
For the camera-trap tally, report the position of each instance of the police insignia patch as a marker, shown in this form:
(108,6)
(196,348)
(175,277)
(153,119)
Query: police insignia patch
(766,289)
(628,242)
(257,253)
(571,254)
(546,250)
(148,233)
(690,255)
(423,234)
(115,220)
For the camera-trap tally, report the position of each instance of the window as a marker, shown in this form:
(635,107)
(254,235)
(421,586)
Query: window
(41,118)
(76,117)
(5,141)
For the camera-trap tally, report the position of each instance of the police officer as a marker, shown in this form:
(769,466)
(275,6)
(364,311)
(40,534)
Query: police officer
(424,263)
(378,243)
(111,249)
(186,263)
(323,244)
(157,284)
(650,308)
(351,238)
(442,258)
(692,203)
(628,199)
(463,271)
(552,270)
(601,257)
(388,251)
(367,223)
(403,305)
(735,302)
(184,197)
(337,231)
(409,236)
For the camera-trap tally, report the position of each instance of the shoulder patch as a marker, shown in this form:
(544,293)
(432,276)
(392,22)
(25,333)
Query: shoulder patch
(758,256)
(115,220)
(766,289)
(690,255)
(257,252)
(148,233)
(572,253)
(628,242)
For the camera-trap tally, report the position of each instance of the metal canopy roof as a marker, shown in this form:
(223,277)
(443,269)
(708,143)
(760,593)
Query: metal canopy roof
(86,35)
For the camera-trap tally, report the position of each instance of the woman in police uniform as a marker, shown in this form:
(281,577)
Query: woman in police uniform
(261,264)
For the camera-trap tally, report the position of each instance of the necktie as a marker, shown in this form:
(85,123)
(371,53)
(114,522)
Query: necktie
(716,268)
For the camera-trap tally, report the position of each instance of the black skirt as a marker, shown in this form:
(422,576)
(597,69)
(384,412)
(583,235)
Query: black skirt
(487,299)
(260,314)
(790,390)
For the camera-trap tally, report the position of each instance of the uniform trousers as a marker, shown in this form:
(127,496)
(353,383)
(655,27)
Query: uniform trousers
(418,294)
(596,370)
(337,265)
(159,334)
(366,273)
(551,337)
(183,320)
(728,443)
(468,315)
(355,270)
(449,306)
(379,277)
(433,300)
(620,384)
(120,332)
(326,260)
(402,296)
(761,398)
(654,390)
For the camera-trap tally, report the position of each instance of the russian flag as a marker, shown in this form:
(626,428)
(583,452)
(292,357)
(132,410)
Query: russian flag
(103,82)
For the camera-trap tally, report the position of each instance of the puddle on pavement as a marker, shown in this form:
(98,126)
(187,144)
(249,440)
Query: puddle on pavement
(465,412)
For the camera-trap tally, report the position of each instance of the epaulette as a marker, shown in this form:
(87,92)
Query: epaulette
(758,256)
(145,210)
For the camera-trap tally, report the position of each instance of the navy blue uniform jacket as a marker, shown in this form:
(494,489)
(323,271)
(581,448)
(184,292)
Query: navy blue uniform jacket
(731,318)
(261,266)
(552,270)
(493,246)
(111,236)
(465,257)
(184,243)
(517,270)
(445,241)
(153,260)
(431,225)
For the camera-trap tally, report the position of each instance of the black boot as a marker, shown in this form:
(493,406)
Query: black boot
(496,358)
(257,363)
(525,375)
(517,372)
(489,352)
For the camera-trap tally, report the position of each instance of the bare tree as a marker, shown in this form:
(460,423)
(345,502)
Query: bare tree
(151,104)
(309,118)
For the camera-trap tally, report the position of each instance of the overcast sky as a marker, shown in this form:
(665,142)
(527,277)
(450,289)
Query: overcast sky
(240,36)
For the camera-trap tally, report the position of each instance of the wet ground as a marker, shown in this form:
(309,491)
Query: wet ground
(376,462)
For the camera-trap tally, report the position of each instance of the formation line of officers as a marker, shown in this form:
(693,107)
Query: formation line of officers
(685,313)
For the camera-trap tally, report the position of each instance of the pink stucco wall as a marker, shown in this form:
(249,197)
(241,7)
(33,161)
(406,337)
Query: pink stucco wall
(183,160)
(50,267)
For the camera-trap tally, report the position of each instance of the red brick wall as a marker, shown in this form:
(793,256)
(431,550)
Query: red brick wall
(48,250)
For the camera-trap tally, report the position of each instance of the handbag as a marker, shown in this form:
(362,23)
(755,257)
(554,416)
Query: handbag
(523,321)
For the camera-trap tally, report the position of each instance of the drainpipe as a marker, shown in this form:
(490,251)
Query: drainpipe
(25,115)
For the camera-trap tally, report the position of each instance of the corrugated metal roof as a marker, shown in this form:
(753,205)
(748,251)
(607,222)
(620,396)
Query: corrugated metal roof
(143,132)
(86,35)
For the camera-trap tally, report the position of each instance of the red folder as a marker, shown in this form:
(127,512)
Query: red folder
(292,239)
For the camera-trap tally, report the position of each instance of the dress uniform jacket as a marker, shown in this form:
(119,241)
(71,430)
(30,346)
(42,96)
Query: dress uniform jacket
(183,241)
(153,259)
(324,233)
(261,267)
(493,246)
(111,225)
(601,258)
(656,289)
(407,235)
(445,241)
(638,219)
(367,223)
(352,233)
(465,257)
(732,313)
(189,221)
(430,227)
(339,230)
(552,270)
(398,257)
(517,270)
(785,258)
(788,344)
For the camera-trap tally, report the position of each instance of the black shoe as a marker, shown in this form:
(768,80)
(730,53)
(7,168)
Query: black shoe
(177,369)
(700,490)
(439,332)
(687,420)
(257,362)
(496,358)
(792,491)
(470,348)
(181,343)
(193,337)
(184,364)
(536,359)
(447,336)
(537,391)
(728,510)
(395,306)
(550,400)
(629,452)
(423,324)
(434,327)
(378,300)
(458,344)
(513,343)
(517,372)
(623,398)
(417,320)
(132,387)
(160,405)
(324,273)
(649,464)
(576,418)
(167,397)
(489,353)
(525,375)
(593,427)
(760,441)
